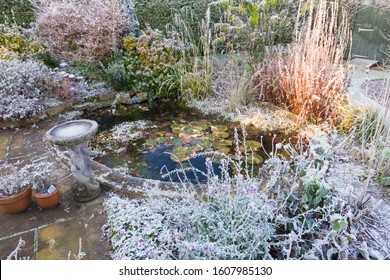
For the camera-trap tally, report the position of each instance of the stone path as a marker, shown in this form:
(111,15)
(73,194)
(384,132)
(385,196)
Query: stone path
(52,233)
(358,77)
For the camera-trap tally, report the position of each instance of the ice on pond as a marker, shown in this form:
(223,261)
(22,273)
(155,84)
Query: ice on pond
(71,130)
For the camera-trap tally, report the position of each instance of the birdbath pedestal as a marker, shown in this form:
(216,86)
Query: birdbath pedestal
(75,135)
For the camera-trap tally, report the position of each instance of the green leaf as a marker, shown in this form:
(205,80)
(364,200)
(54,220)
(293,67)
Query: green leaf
(253,145)
(320,194)
(219,128)
(255,159)
(385,181)
(311,187)
(339,225)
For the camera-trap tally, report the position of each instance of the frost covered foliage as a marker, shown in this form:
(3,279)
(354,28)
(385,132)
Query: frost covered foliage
(148,64)
(189,228)
(14,180)
(128,131)
(15,42)
(12,184)
(117,139)
(369,132)
(23,86)
(86,31)
(291,209)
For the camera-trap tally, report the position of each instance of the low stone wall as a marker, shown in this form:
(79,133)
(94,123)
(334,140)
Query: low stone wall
(56,107)
(122,184)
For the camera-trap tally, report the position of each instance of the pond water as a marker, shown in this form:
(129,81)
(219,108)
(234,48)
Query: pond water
(150,140)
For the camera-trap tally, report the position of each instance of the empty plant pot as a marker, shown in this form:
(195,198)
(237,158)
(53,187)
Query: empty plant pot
(16,203)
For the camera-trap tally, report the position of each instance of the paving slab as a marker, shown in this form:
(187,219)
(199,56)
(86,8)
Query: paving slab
(363,63)
(53,233)
(50,233)
(61,241)
(27,251)
(358,78)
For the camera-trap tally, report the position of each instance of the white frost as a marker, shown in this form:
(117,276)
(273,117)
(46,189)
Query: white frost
(71,130)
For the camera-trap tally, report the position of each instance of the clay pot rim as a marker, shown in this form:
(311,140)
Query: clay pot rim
(35,194)
(16,197)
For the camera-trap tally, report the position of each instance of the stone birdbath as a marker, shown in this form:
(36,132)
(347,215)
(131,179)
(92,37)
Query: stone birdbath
(75,135)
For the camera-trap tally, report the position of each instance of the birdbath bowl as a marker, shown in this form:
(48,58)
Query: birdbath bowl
(75,135)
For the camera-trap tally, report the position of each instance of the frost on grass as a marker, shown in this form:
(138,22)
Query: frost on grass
(294,209)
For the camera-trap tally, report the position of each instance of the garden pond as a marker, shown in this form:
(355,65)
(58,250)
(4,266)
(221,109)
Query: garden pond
(151,140)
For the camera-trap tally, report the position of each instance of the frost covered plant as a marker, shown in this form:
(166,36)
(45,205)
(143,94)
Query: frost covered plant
(23,86)
(14,253)
(15,42)
(310,80)
(128,131)
(116,75)
(67,86)
(371,133)
(291,210)
(118,138)
(13,183)
(189,228)
(147,64)
(14,180)
(87,31)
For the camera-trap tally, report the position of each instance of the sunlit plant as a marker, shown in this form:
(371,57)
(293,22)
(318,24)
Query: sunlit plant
(310,78)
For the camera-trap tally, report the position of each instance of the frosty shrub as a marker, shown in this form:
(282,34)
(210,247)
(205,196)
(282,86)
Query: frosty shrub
(13,183)
(221,226)
(289,210)
(23,86)
(115,74)
(15,42)
(147,64)
(86,31)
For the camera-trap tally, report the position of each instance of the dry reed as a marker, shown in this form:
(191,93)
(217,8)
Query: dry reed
(309,79)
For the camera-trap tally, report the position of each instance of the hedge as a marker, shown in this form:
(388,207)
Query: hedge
(158,13)
(19,11)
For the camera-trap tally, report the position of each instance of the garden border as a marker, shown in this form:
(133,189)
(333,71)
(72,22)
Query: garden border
(92,103)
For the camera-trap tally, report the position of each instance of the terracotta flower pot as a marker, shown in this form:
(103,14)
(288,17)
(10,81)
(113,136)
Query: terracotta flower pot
(48,200)
(16,203)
